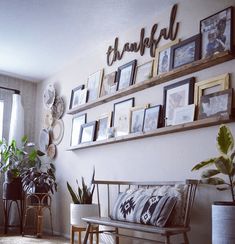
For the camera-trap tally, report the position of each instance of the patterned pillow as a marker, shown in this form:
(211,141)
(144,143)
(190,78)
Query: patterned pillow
(139,207)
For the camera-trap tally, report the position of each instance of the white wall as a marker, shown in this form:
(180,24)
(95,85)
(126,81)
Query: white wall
(167,157)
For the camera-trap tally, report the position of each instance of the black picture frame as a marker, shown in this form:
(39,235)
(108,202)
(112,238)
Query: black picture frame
(73,92)
(130,67)
(92,131)
(189,50)
(177,95)
(152,122)
(212,41)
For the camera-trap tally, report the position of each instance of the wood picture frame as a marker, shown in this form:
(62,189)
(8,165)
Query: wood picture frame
(152,117)
(121,116)
(144,72)
(218,104)
(75,99)
(94,85)
(185,52)
(217,32)
(109,84)
(184,114)
(162,58)
(77,121)
(103,124)
(125,75)
(214,84)
(87,132)
(177,95)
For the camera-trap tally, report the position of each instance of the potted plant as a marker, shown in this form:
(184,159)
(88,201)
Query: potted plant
(223,213)
(82,202)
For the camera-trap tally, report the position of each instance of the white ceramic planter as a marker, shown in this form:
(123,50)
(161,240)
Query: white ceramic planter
(223,223)
(78,211)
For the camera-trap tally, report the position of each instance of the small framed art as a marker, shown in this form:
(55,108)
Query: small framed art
(104,123)
(185,52)
(125,75)
(216,32)
(177,95)
(94,84)
(78,96)
(87,132)
(216,104)
(77,122)
(121,116)
(184,114)
(109,85)
(144,72)
(137,119)
(152,118)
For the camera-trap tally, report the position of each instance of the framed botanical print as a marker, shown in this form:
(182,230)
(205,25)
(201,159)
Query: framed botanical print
(137,118)
(217,33)
(152,117)
(78,96)
(109,84)
(77,122)
(94,84)
(87,132)
(104,123)
(121,116)
(144,72)
(177,95)
(125,75)
(186,52)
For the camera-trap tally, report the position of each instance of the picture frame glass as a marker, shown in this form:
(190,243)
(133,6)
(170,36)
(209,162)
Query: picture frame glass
(93,85)
(151,118)
(184,114)
(144,72)
(125,77)
(164,61)
(77,122)
(87,134)
(102,127)
(137,120)
(109,85)
(79,97)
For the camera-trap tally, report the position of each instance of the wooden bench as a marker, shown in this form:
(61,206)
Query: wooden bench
(165,232)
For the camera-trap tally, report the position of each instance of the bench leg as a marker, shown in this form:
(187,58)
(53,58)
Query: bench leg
(117,237)
(87,234)
(186,241)
(71,235)
(167,240)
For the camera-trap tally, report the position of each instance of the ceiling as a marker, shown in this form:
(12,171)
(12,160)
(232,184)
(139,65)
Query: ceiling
(40,37)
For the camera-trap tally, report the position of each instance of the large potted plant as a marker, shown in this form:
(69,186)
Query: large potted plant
(82,202)
(223,213)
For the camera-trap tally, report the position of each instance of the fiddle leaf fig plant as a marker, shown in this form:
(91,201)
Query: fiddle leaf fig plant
(223,164)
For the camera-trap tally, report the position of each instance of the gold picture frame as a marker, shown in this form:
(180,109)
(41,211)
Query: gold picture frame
(144,72)
(220,82)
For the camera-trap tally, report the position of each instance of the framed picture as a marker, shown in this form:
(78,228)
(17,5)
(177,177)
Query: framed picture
(152,118)
(121,116)
(94,84)
(177,95)
(78,96)
(162,58)
(104,123)
(137,119)
(144,72)
(125,75)
(216,104)
(87,132)
(184,114)
(216,32)
(77,122)
(185,52)
(109,85)
(215,84)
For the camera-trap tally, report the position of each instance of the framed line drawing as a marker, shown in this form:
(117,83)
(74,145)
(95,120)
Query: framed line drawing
(103,124)
(77,122)
(152,118)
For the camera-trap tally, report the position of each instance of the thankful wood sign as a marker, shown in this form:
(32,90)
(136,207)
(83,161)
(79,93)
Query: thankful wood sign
(151,42)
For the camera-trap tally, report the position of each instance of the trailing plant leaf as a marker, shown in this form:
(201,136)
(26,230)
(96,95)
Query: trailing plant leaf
(224,165)
(209,173)
(204,164)
(225,139)
(223,188)
(213,181)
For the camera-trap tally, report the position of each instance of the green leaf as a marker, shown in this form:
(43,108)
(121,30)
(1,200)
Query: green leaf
(213,181)
(204,164)
(24,140)
(225,141)
(209,173)
(73,195)
(224,165)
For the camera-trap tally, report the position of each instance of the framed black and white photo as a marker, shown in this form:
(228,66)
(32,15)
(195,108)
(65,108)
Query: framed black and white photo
(121,116)
(103,124)
(78,96)
(217,33)
(77,122)
(184,114)
(137,118)
(185,52)
(87,132)
(144,72)
(125,75)
(109,84)
(216,104)
(177,95)
(152,117)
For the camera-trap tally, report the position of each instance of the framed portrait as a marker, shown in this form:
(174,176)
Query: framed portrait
(144,72)
(214,84)
(87,132)
(109,85)
(152,118)
(177,95)
(162,58)
(78,96)
(216,31)
(103,124)
(77,122)
(185,52)
(216,104)
(184,114)
(121,116)
(137,118)
(125,75)
(94,84)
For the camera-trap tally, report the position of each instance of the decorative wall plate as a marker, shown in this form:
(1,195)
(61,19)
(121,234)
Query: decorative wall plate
(58,107)
(44,140)
(48,119)
(57,131)
(49,95)
(51,151)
